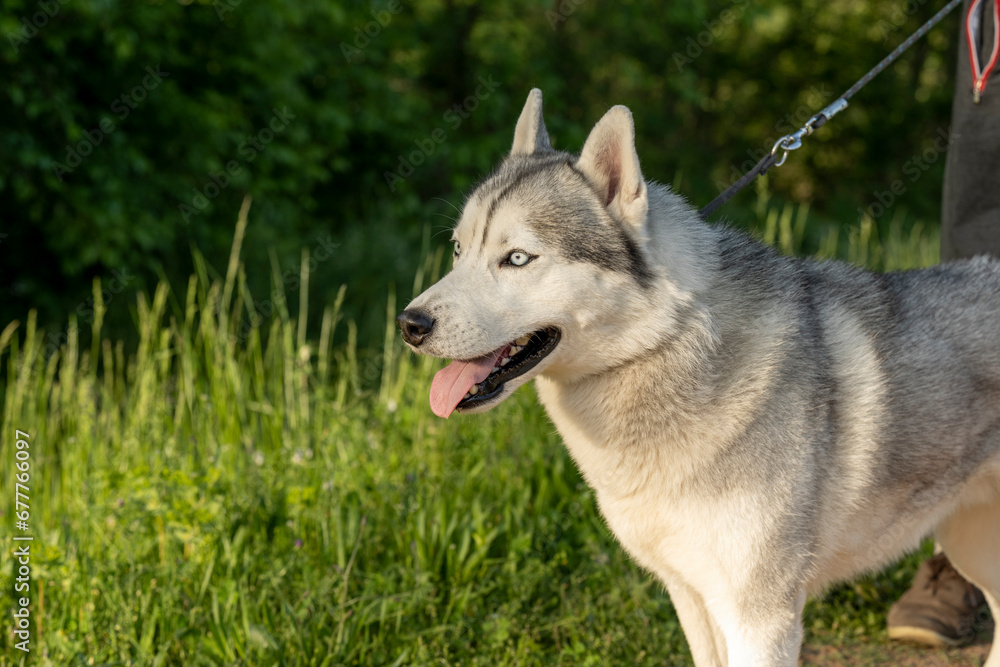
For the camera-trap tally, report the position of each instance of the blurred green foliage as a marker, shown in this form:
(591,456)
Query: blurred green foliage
(368,89)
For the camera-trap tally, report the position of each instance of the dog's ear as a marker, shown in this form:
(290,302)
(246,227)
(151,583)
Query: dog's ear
(610,163)
(530,135)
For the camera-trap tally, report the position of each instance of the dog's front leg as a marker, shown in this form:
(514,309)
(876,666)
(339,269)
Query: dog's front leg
(704,637)
(762,635)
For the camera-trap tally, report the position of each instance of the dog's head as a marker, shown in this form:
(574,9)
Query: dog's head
(549,267)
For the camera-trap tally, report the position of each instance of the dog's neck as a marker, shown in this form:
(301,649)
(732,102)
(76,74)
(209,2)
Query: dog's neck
(670,408)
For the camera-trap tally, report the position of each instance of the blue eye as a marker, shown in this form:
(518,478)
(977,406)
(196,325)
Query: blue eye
(518,258)
(458,249)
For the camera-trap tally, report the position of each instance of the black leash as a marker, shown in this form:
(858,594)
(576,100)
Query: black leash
(790,142)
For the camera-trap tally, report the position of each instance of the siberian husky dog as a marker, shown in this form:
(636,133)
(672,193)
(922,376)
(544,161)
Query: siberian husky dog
(755,427)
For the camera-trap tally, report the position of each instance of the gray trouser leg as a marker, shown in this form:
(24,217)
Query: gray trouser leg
(970,215)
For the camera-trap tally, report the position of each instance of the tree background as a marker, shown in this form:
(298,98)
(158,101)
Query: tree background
(368,89)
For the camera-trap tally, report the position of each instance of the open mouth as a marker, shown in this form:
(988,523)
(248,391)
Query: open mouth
(515,359)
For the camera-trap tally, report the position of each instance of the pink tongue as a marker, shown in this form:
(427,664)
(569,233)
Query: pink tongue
(453,382)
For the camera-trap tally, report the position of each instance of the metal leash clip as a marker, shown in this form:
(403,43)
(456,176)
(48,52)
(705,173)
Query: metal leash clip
(790,142)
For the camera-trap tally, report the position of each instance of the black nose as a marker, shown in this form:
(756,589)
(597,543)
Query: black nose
(416,325)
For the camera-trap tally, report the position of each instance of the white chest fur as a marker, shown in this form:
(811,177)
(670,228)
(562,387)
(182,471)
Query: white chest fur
(639,442)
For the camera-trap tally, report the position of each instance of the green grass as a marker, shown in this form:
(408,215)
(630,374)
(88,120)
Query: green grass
(232,493)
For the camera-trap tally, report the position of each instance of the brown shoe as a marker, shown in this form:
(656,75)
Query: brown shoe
(939,609)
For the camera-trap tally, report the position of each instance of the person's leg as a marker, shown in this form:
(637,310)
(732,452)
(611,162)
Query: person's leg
(940,607)
(970,211)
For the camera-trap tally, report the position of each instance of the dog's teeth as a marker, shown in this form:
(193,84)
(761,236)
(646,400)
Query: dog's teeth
(505,361)
(474,390)
(523,340)
(514,349)
(495,369)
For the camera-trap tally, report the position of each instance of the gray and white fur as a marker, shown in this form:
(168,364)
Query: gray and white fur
(755,427)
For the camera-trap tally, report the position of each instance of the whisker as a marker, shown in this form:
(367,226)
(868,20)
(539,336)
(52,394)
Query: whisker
(457,210)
